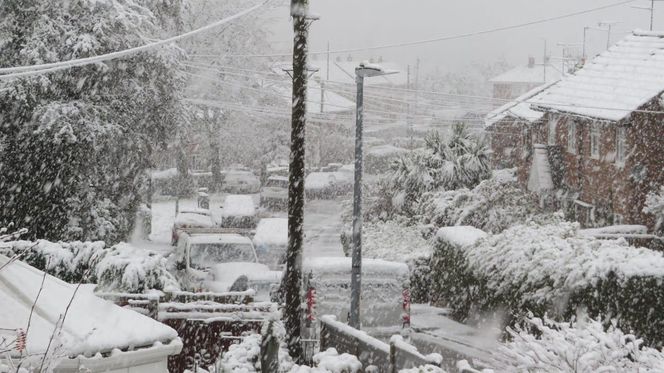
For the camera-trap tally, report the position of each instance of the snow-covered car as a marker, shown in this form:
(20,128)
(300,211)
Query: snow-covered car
(320,185)
(238,212)
(385,292)
(275,192)
(191,218)
(240,181)
(197,255)
(271,241)
(242,276)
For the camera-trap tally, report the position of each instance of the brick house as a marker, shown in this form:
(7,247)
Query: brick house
(600,136)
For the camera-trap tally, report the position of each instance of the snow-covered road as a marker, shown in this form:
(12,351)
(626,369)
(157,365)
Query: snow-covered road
(322,224)
(322,228)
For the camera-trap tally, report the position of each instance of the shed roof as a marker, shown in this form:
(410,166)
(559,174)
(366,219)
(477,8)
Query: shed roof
(615,83)
(92,325)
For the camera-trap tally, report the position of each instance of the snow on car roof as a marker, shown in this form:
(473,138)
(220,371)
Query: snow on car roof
(225,274)
(193,220)
(224,238)
(92,324)
(196,211)
(319,180)
(272,231)
(343,265)
(238,205)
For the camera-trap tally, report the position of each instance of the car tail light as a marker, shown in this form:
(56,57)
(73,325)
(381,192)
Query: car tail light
(406,301)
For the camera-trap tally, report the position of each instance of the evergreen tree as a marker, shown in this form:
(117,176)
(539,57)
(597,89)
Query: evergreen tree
(77,142)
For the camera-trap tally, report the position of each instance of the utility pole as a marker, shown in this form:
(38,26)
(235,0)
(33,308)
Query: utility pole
(651,9)
(417,87)
(409,122)
(608,25)
(293,282)
(361,72)
(324,83)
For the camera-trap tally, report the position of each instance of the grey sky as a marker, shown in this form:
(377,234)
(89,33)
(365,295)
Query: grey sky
(356,23)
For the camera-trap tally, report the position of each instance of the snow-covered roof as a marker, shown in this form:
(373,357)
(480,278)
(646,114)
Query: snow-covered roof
(272,231)
(238,205)
(343,265)
(529,74)
(519,108)
(319,180)
(91,325)
(225,238)
(615,83)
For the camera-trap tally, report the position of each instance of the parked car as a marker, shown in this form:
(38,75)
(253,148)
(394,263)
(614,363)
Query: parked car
(385,296)
(275,192)
(320,185)
(271,241)
(238,212)
(191,218)
(242,276)
(198,253)
(240,182)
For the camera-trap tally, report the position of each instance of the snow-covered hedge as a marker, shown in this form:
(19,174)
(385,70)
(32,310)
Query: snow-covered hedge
(569,347)
(122,267)
(493,206)
(554,269)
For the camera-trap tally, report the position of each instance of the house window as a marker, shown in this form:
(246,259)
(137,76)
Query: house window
(552,131)
(621,144)
(594,141)
(571,137)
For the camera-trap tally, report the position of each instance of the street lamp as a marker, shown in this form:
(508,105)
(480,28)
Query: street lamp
(365,70)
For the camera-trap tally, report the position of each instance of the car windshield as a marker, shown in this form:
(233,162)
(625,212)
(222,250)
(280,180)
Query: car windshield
(208,254)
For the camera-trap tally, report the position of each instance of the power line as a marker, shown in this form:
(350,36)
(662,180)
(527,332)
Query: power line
(436,39)
(21,71)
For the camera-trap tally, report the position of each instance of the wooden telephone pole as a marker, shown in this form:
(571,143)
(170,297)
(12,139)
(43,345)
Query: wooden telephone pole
(293,313)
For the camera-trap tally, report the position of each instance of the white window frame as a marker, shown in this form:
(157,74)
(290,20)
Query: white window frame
(571,137)
(595,140)
(621,145)
(551,133)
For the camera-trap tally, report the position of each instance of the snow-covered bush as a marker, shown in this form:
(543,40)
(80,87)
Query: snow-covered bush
(579,346)
(121,268)
(444,164)
(493,205)
(69,261)
(423,369)
(552,268)
(129,269)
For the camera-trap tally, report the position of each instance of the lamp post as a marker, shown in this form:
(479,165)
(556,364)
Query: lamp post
(365,70)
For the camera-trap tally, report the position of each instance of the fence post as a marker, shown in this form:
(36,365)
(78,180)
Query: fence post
(393,357)
(270,350)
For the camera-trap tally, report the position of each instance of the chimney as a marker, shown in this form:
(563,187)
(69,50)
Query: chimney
(531,62)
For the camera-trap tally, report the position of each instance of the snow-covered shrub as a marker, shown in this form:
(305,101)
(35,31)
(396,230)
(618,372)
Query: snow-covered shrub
(493,205)
(444,164)
(121,268)
(569,347)
(244,356)
(423,369)
(69,261)
(552,268)
(331,361)
(129,269)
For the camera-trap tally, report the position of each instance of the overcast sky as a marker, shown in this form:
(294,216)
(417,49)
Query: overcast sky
(358,23)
